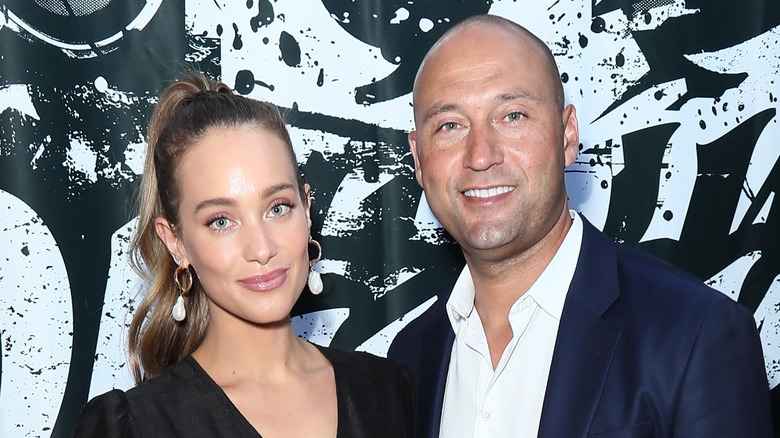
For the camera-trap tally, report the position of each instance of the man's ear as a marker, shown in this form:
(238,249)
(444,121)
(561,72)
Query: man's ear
(415,156)
(167,233)
(571,135)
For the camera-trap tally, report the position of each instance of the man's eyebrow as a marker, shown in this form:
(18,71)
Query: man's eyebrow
(504,97)
(517,95)
(433,112)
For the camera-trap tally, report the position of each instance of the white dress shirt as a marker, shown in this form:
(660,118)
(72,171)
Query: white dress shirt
(506,402)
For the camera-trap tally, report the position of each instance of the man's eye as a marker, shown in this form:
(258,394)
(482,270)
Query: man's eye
(449,126)
(513,116)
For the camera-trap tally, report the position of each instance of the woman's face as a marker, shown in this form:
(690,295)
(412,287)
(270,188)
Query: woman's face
(243,226)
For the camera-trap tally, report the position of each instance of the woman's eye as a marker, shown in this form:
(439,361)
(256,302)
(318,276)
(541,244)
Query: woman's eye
(220,223)
(279,210)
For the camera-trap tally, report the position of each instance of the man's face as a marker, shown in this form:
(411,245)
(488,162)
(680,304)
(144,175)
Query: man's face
(491,144)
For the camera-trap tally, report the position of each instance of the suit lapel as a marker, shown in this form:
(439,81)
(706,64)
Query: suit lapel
(585,344)
(435,362)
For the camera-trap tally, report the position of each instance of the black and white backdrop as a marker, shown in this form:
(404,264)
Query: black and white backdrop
(677,102)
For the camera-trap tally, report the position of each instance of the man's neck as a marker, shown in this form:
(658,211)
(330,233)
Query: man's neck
(500,281)
(499,284)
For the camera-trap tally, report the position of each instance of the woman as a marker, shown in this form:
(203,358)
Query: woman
(224,233)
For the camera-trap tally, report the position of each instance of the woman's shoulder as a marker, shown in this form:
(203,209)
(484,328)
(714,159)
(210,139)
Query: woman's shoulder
(112,414)
(107,415)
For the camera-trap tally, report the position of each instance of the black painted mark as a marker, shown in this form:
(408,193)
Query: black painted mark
(583,41)
(597,25)
(237,42)
(635,189)
(264,17)
(291,51)
(245,82)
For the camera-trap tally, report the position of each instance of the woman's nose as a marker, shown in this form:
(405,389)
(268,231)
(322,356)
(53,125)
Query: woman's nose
(259,244)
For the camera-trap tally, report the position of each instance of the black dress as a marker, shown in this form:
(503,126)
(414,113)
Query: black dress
(375,398)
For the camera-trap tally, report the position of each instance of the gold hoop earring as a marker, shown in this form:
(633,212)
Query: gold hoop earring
(182,277)
(315,280)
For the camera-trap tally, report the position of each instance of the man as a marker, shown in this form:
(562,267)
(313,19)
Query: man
(552,329)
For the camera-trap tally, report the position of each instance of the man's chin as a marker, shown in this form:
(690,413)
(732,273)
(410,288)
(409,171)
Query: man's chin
(487,238)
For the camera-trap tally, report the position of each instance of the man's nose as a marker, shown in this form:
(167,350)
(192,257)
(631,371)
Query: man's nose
(482,148)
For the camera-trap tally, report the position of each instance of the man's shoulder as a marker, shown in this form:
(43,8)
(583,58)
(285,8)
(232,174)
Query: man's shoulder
(655,317)
(638,272)
(652,288)
(653,278)
(411,340)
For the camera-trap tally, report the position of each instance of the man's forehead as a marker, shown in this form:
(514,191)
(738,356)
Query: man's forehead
(476,36)
(478,49)
(477,42)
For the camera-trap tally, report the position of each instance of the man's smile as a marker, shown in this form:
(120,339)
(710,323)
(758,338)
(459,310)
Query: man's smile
(489,192)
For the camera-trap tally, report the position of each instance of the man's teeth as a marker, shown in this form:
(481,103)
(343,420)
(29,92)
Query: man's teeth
(487,193)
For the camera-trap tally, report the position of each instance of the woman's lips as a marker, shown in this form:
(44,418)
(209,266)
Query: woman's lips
(265,282)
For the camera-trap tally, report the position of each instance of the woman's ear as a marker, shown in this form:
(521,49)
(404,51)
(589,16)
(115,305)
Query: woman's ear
(307,203)
(167,233)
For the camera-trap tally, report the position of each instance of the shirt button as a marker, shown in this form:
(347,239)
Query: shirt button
(486,415)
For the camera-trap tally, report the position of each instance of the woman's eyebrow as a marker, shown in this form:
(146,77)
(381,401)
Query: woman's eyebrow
(215,201)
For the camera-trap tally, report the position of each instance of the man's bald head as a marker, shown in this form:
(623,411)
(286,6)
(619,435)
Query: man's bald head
(509,26)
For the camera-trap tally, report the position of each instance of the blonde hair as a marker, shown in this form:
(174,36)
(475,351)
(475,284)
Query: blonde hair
(186,112)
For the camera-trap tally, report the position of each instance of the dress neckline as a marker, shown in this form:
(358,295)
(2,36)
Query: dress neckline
(240,418)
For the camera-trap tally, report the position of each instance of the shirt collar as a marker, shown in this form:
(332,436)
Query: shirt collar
(461,301)
(549,290)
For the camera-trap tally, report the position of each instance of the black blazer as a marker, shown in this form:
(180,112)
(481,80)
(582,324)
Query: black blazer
(643,350)
(375,399)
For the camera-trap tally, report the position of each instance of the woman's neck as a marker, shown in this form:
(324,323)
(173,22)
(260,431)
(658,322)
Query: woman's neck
(270,375)
(234,351)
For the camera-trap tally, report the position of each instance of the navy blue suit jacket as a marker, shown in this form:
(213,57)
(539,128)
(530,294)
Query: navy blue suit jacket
(643,350)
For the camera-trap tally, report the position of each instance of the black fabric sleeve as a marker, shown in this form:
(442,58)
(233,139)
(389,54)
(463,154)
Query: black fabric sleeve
(106,416)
